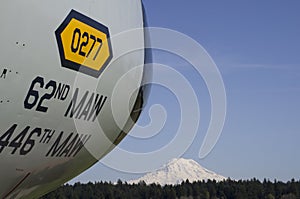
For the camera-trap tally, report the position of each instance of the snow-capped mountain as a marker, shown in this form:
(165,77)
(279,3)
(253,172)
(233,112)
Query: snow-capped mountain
(178,170)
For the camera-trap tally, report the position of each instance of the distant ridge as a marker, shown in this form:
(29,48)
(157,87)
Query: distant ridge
(178,170)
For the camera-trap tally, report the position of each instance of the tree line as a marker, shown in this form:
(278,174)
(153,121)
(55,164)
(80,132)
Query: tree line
(227,189)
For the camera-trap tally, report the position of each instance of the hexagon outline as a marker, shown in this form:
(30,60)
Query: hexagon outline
(73,65)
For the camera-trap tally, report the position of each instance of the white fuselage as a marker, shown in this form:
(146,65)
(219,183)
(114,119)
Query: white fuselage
(57,120)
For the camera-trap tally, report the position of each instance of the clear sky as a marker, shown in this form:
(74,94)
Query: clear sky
(256,46)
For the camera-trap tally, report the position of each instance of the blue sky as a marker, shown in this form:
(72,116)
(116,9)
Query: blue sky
(256,46)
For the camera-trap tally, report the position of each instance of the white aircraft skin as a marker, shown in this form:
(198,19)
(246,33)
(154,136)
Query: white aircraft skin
(53,123)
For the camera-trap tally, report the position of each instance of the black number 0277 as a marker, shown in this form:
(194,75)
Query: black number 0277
(80,41)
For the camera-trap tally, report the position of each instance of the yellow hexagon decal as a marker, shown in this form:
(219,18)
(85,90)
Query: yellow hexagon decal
(84,44)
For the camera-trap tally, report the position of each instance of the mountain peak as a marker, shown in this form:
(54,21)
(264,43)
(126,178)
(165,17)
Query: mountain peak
(178,170)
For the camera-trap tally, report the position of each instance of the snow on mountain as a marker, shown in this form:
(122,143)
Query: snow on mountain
(178,170)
